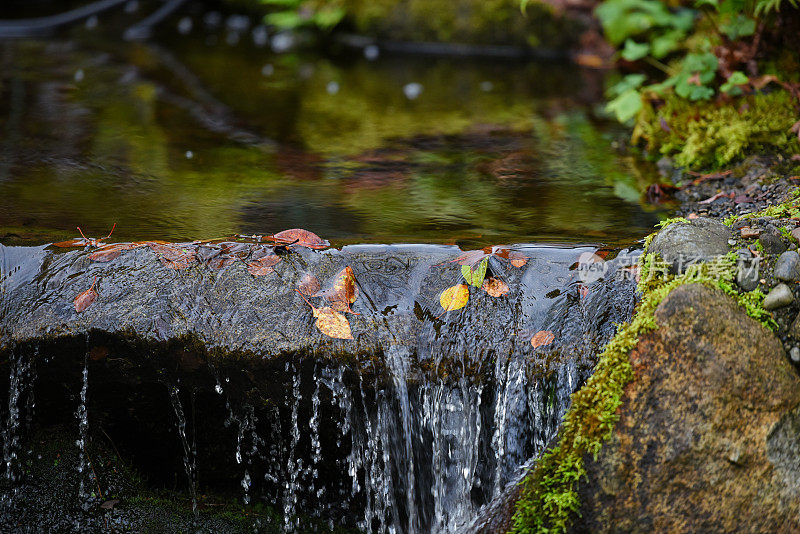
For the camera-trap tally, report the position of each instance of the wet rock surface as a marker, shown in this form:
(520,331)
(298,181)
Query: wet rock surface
(210,381)
(698,240)
(707,438)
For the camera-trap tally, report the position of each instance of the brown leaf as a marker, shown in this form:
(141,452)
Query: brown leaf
(110,252)
(343,292)
(495,287)
(542,338)
(300,238)
(172,255)
(473,257)
(330,322)
(219,261)
(85,299)
(71,243)
(309,284)
(263,266)
(454,298)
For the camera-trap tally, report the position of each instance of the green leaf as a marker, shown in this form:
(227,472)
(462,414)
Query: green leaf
(634,51)
(626,105)
(667,42)
(739,26)
(327,18)
(701,3)
(705,64)
(475,276)
(631,81)
(285,20)
(731,86)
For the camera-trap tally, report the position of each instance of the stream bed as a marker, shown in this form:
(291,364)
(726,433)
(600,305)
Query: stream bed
(204,399)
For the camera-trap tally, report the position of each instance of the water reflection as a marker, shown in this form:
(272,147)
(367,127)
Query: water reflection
(185,139)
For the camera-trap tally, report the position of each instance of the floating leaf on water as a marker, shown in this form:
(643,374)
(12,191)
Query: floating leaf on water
(300,238)
(495,287)
(542,338)
(309,284)
(343,292)
(503,252)
(262,266)
(330,322)
(454,298)
(85,299)
(474,276)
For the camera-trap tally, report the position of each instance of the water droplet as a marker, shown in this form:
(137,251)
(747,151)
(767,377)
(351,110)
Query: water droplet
(189,154)
(79,75)
(185,25)
(267,70)
(371,52)
(332,88)
(412,90)
(486,86)
(91,22)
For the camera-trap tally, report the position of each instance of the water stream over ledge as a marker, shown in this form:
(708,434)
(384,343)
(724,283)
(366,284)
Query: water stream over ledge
(414,431)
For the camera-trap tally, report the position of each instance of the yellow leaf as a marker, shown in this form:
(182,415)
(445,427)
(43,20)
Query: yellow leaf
(332,323)
(454,298)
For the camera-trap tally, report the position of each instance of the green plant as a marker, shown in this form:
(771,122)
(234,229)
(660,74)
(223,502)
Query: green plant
(293,14)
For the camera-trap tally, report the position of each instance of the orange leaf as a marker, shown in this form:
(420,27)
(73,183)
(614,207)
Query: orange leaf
(343,292)
(85,299)
(542,338)
(454,298)
(495,287)
(300,238)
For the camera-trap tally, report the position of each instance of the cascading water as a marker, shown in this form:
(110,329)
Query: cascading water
(417,437)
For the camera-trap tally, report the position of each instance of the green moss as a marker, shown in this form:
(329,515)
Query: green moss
(710,134)
(549,494)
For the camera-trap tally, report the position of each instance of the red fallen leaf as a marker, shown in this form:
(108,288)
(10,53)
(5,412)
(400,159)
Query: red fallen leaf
(584,291)
(84,241)
(343,292)
(109,252)
(85,299)
(473,257)
(263,266)
(300,238)
(330,322)
(542,338)
(309,284)
(172,256)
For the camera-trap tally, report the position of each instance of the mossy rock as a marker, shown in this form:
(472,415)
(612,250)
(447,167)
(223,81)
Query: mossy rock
(695,448)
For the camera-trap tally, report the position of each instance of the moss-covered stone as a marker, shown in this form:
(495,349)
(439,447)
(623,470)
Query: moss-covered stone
(690,449)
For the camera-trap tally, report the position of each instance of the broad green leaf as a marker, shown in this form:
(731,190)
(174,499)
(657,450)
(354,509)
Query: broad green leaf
(667,42)
(634,51)
(626,105)
(285,20)
(475,276)
(631,81)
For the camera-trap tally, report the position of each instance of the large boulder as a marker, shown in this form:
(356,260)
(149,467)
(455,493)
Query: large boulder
(708,438)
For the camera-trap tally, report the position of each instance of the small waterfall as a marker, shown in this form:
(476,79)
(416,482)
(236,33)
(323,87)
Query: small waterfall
(294,464)
(11,434)
(189,452)
(83,427)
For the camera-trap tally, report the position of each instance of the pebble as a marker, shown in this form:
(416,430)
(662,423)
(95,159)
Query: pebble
(794,329)
(772,242)
(779,297)
(795,354)
(787,267)
(750,233)
(796,233)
